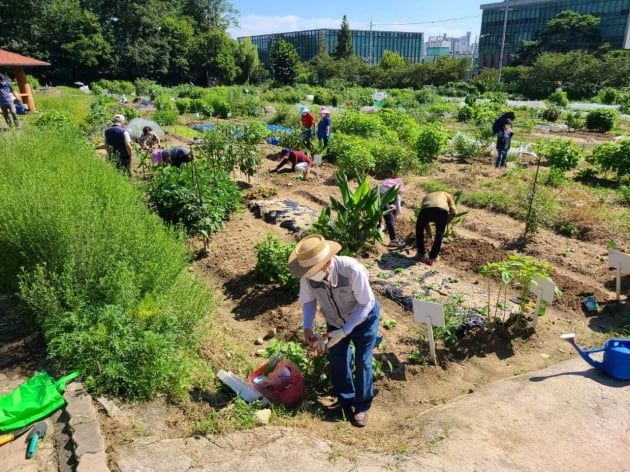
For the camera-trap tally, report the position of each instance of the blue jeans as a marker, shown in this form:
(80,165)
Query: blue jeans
(357,391)
(501,158)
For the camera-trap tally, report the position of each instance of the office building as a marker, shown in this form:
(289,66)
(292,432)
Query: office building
(527,17)
(369,45)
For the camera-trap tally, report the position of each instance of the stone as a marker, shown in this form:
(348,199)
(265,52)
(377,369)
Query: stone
(259,341)
(93,463)
(88,439)
(109,406)
(262,417)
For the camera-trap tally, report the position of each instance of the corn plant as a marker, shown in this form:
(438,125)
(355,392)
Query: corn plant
(357,216)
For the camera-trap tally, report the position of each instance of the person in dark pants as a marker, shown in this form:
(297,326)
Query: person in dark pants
(118,144)
(438,208)
(504,140)
(7,102)
(340,285)
(395,207)
(175,156)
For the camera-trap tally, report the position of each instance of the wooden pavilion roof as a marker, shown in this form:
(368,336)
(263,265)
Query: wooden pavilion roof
(16,60)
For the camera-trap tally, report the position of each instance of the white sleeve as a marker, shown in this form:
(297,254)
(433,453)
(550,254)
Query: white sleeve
(127,137)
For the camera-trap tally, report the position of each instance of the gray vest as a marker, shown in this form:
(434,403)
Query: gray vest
(337,303)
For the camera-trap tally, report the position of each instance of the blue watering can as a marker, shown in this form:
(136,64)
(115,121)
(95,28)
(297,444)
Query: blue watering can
(616,361)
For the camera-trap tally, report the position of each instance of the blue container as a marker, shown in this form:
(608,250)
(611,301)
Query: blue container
(20,109)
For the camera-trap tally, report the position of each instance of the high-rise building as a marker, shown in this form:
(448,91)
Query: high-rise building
(369,45)
(527,17)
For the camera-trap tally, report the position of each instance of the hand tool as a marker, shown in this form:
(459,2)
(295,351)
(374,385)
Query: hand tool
(5,438)
(39,431)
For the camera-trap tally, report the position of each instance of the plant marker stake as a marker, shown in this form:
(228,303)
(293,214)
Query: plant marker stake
(545,290)
(621,262)
(430,314)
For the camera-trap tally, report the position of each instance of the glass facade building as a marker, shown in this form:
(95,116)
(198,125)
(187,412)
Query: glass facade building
(527,17)
(369,45)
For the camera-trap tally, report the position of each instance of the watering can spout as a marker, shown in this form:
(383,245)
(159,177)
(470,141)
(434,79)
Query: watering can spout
(616,361)
(570,338)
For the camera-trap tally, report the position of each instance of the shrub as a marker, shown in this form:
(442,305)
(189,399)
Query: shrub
(464,114)
(165,117)
(360,124)
(609,95)
(562,154)
(391,160)
(102,277)
(179,198)
(431,141)
(600,120)
(559,97)
(271,262)
(575,120)
(58,120)
(163,102)
(465,146)
(353,155)
(183,105)
(613,156)
(550,114)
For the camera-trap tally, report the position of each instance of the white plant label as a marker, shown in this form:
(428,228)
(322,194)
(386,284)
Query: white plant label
(545,290)
(621,262)
(430,314)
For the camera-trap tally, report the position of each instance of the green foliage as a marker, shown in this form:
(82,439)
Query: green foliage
(353,154)
(609,95)
(465,146)
(165,117)
(464,114)
(575,120)
(391,160)
(550,114)
(358,215)
(361,124)
(58,120)
(517,271)
(432,140)
(613,156)
(562,154)
(314,368)
(197,196)
(284,62)
(105,281)
(601,120)
(344,48)
(559,97)
(118,87)
(271,262)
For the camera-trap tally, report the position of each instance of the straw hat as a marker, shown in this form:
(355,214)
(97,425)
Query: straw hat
(310,254)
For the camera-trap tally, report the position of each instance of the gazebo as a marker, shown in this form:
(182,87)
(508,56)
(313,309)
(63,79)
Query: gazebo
(17,64)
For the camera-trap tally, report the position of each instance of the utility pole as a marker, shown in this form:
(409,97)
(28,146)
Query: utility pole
(370,46)
(505,17)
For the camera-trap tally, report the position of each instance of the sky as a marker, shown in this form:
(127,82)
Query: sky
(431,17)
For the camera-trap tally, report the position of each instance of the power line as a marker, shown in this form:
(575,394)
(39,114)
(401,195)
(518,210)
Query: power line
(426,22)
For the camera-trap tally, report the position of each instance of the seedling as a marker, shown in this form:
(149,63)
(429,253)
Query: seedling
(389,324)
(399,270)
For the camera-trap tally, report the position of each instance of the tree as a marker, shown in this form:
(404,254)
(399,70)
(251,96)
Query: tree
(215,57)
(392,60)
(284,62)
(344,48)
(567,31)
(248,60)
(211,14)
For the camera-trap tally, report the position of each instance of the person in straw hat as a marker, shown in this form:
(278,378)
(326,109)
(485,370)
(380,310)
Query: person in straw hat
(340,286)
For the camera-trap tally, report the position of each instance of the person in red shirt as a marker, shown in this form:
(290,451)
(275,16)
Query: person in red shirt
(308,123)
(299,161)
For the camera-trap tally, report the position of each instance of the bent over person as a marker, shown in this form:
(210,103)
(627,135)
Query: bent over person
(437,208)
(298,159)
(340,286)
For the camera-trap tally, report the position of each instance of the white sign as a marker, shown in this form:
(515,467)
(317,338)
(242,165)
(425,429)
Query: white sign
(544,289)
(430,314)
(621,262)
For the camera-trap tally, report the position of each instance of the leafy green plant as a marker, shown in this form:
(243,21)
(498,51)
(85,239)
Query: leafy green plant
(601,120)
(271,262)
(550,114)
(353,154)
(613,156)
(559,97)
(431,141)
(465,146)
(562,154)
(358,215)
(389,324)
(517,271)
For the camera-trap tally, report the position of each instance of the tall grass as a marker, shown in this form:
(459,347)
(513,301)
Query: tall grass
(102,276)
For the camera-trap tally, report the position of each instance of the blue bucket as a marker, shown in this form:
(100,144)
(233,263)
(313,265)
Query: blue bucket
(20,109)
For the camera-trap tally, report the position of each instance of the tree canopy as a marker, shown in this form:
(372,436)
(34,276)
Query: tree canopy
(344,48)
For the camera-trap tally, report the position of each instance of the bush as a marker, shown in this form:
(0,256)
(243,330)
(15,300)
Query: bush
(609,95)
(559,97)
(165,117)
(561,154)
(353,155)
(465,146)
(431,141)
(271,263)
(613,156)
(550,114)
(183,105)
(391,160)
(464,114)
(102,277)
(179,198)
(600,120)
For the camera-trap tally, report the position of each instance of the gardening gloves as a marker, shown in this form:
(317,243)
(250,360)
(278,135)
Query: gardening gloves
(334,337)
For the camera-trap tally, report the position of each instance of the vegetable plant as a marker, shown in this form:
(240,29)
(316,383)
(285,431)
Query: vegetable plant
(271,262)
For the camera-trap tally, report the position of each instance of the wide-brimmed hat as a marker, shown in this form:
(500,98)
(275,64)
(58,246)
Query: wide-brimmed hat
(304,110)
(310,254)
(119,119)
(324,111)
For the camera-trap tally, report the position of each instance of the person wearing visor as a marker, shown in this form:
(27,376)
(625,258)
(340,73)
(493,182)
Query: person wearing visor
(340,286)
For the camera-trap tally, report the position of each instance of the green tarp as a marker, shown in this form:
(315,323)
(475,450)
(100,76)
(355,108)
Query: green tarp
(33,400)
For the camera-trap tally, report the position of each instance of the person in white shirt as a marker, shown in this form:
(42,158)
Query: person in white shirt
(340,286)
